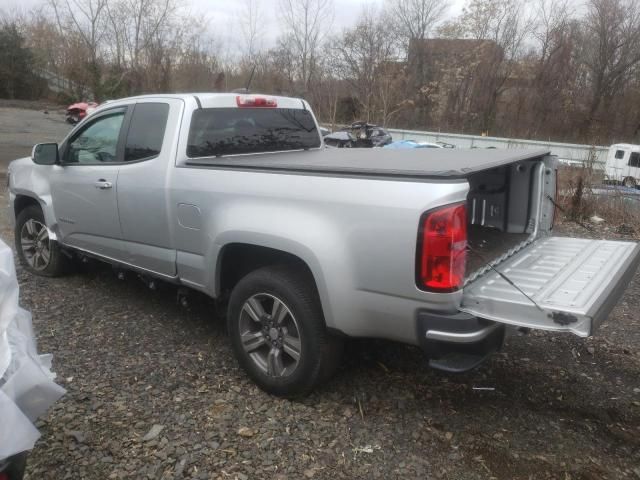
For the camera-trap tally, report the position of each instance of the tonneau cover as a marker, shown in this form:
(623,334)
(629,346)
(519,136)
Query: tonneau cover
(420,163)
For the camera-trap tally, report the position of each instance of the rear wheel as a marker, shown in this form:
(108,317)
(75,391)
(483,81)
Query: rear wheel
(37,252)
(278,333)
(629,182)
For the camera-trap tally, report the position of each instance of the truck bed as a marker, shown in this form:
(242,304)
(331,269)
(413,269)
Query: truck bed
(419,163)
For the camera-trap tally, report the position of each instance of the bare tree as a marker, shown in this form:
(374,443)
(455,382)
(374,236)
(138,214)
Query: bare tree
(553,19)
(416,18)
(554,67)
(611,51)
(500,27)
(363,56)
(306,23)
(252,26)
(87,19)
(503,22)
(136,30)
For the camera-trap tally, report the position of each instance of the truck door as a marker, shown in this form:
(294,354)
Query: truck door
(149,155)
(83,188)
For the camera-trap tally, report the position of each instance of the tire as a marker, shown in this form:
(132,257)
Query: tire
(629,182)
(44,257)
(17,466)
(286,355)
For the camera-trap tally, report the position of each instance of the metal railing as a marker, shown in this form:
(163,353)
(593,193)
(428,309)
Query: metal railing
(568,153)
(60,84)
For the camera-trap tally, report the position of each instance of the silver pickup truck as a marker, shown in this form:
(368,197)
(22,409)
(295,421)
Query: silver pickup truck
(236,196)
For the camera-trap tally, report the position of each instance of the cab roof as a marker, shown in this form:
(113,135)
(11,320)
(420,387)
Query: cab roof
(222,100)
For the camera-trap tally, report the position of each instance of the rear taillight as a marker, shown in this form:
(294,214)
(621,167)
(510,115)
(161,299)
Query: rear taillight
(4,476)
(442,249)
(253,101)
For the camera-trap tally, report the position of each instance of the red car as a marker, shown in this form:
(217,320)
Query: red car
(77,111)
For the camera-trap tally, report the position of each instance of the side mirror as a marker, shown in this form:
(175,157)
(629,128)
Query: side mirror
(45,154)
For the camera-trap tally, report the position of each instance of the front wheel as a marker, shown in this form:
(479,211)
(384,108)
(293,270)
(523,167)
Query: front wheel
(37,252)
(629,182)
(278,333)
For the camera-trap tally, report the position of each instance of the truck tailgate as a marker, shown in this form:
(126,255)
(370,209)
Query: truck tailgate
(575,283)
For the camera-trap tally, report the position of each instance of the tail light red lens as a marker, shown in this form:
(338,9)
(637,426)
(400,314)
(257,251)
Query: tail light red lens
(442,249)
(254,101)
(4,476)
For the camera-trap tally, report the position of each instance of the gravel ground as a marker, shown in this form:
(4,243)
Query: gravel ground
(154,392)
(22,124)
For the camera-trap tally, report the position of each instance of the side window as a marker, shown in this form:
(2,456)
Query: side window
(619,154)
(634,159)
(146,131)
(98,142)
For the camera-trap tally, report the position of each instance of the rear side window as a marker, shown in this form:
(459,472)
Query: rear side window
(232,131)
(146,131)
(619,154)
(634,159)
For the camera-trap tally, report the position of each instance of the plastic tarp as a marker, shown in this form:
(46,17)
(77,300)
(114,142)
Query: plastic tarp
(27,388)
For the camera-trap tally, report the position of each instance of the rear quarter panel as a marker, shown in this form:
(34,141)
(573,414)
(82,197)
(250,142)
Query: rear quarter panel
(357,235)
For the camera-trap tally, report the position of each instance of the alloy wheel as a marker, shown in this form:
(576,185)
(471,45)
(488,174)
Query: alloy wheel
(270,335)
(35,244)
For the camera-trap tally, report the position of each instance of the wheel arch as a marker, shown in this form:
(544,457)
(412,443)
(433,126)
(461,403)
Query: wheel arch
(237,259)
(23,201)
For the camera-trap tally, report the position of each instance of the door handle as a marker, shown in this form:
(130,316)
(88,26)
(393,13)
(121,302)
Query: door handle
(102,184)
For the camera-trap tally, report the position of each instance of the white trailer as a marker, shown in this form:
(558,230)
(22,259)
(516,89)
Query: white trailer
(623,164)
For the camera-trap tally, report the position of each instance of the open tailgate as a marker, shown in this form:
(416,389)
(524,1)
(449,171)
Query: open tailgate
(574,281)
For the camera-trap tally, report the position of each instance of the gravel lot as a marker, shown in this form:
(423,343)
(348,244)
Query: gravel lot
(153,392)
(22,124)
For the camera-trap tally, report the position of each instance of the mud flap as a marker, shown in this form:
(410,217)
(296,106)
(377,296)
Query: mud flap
(574,283)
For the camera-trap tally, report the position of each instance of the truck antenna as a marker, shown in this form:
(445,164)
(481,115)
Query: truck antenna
(253,70)
(246,89)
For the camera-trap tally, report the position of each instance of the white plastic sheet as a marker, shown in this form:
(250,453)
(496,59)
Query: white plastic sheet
(27,388)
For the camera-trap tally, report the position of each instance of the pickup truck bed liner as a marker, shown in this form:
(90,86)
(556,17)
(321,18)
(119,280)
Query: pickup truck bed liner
(420,163)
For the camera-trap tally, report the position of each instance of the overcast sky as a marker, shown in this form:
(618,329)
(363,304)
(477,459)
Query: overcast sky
(223,21)
(223,15)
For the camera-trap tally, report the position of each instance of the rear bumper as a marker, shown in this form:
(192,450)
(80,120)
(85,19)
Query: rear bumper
(457,342)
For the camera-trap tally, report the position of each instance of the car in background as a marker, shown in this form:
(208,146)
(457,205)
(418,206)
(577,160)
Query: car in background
(406,144)
(78,111)
(27,388)
(623,165)
(359,135)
